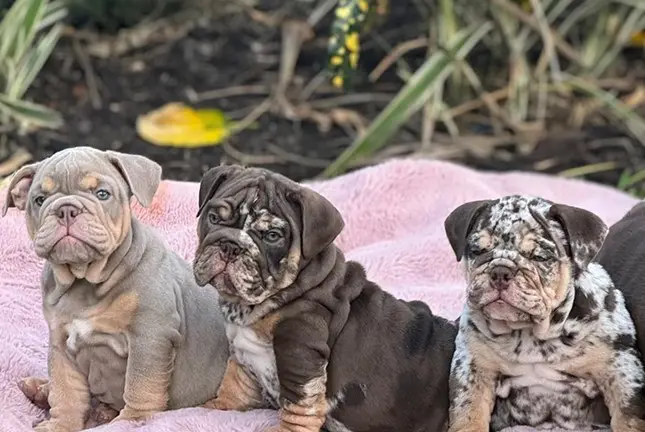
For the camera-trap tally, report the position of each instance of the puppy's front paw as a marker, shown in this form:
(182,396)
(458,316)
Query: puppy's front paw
(53,425)
(129,414)
(36,390)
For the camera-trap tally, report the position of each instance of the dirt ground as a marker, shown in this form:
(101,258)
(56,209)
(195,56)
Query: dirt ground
(232,63)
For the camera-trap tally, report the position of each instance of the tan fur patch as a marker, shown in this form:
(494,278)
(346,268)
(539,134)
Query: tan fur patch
(69,395)
(117,317)
(485,240)
(527,244)
(301,418)
(48,185)
(264,328)
(478,414)
(481,392)
(238,391)
(563,284)
(89,182)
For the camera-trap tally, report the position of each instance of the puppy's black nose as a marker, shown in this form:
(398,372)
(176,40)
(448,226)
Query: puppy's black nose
(230,248)
(501,277)
(67,213)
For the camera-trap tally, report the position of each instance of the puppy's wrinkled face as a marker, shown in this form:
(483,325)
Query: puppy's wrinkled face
(77,202)
(77,215)
(516,270)
(256,230)
(245,251)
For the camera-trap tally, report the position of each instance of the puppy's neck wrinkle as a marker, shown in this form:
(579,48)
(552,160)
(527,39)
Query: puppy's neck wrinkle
(106,273)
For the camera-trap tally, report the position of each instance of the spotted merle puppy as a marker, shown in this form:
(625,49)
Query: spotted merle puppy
(309,334)
(545,338)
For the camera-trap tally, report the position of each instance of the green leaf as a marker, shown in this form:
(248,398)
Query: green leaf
(413,94)
(19,27)
(30,113)
(33,62)
(55,11)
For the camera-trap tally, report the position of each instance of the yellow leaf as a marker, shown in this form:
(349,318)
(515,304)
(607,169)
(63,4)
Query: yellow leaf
(177,125)
(638,39)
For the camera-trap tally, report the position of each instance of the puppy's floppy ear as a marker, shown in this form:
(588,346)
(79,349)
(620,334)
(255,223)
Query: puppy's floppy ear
(19,188)
(584,230)
(321,221)
(211,181)
(140,173)
(460,222)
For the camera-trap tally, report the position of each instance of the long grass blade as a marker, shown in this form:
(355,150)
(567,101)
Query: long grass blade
(435,69)
(31,113)
(33,62)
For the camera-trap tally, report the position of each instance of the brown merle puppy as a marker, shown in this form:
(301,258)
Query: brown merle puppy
(309,334)
(545,338)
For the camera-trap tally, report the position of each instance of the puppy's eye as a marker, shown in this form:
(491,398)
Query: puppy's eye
(477,252)
(272,236)
(39,200)
(102,194)
(539,258)
(212,218)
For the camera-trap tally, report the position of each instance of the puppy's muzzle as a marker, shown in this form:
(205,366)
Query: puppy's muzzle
(230,249)
(66,214)
(501,277)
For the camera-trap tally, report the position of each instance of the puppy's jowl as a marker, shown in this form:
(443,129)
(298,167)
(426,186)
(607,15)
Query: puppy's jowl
(545,338)
(130,333)
(308,333)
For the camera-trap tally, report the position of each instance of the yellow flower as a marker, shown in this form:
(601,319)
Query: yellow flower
(352,42)
(343,12)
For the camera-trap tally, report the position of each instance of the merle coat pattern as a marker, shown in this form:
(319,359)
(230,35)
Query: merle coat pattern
(545,338)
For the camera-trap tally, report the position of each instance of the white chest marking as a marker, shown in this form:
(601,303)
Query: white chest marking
(80,333)
(542,375)
(257,356)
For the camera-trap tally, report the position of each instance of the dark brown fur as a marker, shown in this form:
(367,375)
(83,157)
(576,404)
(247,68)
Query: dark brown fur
(387,360)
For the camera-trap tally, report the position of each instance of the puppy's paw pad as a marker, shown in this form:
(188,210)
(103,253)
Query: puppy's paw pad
(36,390)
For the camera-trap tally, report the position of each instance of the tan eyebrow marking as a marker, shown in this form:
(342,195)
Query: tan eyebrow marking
(89,182)
(48,185)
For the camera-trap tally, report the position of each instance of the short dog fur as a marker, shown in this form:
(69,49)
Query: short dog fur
(308,333)
(544,338)
(623,256)
(128,326)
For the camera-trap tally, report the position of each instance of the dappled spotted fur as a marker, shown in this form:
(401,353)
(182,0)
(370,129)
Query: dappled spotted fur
(545,338)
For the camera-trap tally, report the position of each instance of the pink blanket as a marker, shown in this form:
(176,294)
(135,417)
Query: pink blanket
(394,215)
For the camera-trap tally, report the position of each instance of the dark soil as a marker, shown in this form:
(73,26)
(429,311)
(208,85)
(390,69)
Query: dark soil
(235,51)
